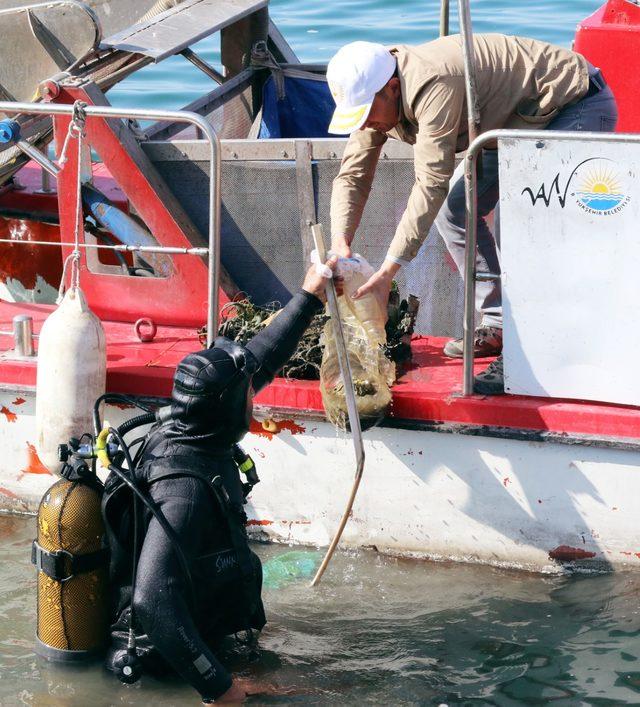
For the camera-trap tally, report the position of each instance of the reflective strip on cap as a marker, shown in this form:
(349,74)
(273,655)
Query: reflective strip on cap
(349,119)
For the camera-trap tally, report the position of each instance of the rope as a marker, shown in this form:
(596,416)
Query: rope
(76,132)
(262,58)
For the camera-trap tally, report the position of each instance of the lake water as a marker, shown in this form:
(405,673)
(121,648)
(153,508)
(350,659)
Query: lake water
(378,631)
(316,30)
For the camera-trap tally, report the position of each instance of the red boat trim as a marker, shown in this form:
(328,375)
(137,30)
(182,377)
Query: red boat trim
(426,397)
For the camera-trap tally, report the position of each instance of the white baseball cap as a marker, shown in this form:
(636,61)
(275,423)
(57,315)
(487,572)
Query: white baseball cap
(355,74)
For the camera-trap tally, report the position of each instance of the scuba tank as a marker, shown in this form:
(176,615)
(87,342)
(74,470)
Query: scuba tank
(70,552)
(72,369)
(72,567)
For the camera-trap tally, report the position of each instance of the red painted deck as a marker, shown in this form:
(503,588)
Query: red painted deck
(428,392)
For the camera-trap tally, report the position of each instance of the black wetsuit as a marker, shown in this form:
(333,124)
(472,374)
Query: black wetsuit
(180,627)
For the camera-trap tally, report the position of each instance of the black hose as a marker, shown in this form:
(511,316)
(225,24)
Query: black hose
(137,421)
(156,512)
(113,397)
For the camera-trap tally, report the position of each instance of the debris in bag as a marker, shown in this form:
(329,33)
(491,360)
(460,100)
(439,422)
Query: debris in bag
(363,326)
(242,320)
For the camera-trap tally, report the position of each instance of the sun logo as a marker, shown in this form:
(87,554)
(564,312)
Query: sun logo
(600,190)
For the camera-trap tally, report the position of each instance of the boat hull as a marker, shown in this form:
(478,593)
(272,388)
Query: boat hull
(532,505)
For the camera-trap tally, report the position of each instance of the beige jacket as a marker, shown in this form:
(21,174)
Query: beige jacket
(522,83)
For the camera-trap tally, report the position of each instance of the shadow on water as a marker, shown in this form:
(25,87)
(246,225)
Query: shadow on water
(378,631)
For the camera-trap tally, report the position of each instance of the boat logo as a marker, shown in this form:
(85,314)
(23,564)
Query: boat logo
(599,191)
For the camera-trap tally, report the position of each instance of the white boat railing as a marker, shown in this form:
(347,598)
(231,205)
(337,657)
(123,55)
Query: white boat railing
(213,250)
(471,196)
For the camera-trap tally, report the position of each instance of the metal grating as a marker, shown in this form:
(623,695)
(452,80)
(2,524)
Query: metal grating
(181,26)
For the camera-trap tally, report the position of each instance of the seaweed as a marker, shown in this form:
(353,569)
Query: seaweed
(242,320)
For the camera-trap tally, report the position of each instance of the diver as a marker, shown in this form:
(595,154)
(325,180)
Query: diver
(196,580)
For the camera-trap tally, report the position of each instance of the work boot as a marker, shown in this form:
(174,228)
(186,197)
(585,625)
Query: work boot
(487,342)
(491,380)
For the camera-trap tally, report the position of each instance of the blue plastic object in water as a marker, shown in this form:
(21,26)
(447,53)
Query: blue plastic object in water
(289,567)
(9,131)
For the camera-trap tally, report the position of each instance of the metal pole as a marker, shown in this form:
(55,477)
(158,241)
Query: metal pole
(471,160)
(468,53)
(444,18)
(471,217)
(45,187)
(471,227)
(350,396)
(204,66)
(23,335)
(122,248)
(11,108)
(37,156)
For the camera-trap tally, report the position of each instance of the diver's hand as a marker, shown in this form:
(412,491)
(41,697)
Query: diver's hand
(315,284)
(379,284)
(235,695)
(241,688)
(340,247)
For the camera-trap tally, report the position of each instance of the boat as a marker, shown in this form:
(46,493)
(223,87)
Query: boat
(528,480)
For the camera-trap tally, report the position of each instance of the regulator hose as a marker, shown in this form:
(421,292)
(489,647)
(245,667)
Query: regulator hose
(113,397)
(146,419)
(125,476)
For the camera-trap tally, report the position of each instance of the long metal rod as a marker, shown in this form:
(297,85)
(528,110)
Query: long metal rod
(203,65)
(471,179)
(123,248)
(213,275)
(444,18)
(468,53)
(37,156)
(471,209)
(350,396)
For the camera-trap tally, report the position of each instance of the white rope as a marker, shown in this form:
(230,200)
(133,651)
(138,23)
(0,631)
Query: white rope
(76,131)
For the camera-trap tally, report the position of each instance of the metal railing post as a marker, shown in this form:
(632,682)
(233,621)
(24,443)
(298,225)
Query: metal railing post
(470,183)
(471,236)
(213,250)
(444,18)
(468,54)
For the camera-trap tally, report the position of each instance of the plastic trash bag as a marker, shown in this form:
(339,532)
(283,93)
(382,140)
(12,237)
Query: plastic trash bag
(363,324)
(289,567)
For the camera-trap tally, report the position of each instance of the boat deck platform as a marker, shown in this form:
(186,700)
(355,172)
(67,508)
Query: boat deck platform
(427,394)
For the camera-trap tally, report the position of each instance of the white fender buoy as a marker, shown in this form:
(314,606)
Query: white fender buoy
(72,372)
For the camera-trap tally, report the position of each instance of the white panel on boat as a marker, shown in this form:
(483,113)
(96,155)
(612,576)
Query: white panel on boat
(181,26)
(569,214)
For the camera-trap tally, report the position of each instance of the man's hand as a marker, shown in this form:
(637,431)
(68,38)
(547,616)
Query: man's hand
(340,247)
(379,284)
(241,688)
(316,284)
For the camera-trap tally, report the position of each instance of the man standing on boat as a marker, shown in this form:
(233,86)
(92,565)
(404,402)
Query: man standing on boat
(417,94)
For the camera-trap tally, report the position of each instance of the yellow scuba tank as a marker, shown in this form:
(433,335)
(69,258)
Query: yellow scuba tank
(73,598)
